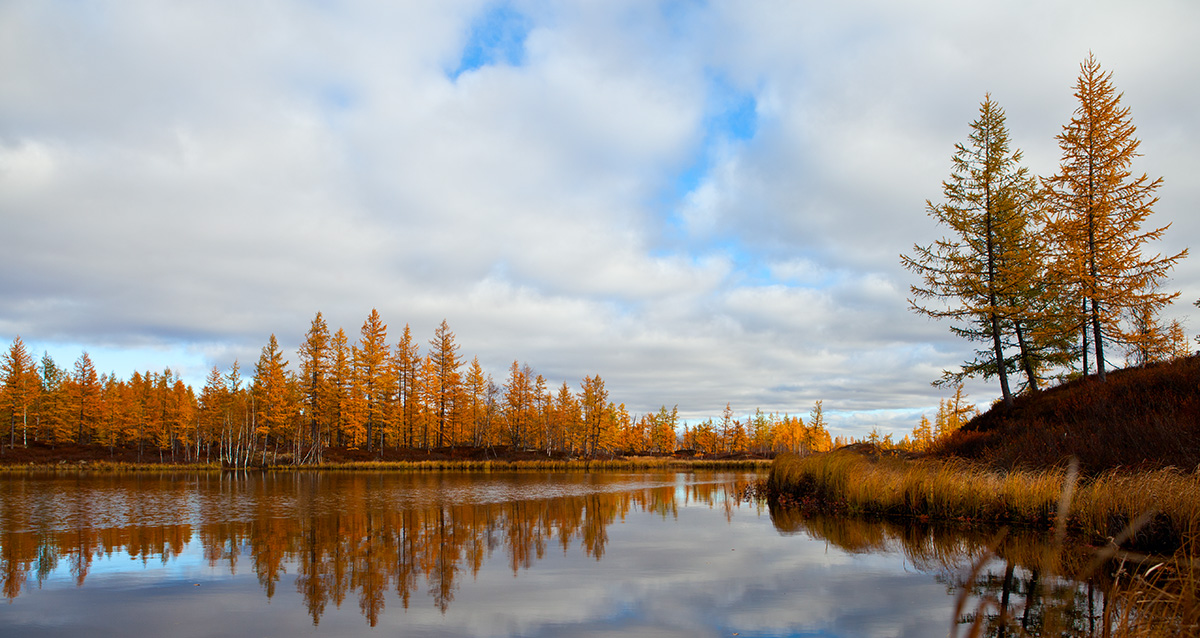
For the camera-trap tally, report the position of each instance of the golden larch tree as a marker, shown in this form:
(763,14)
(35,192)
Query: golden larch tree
(444,354)
(21,389)
(372,375)
(406,361)
(315,363)
(980,274)
(1097,210)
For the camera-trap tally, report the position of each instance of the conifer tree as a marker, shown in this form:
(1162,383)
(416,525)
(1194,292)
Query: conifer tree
(21,388)
(407,365)
(979,276)
(444,353)
(1097,210)
(315,362)
(372,375)
(272,402)
(85,398)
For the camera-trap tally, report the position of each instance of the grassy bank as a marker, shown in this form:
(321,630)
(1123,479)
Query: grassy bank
(1151,509)
(1140,418)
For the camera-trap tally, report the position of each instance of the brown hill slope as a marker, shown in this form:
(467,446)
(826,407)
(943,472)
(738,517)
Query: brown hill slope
(1140,418)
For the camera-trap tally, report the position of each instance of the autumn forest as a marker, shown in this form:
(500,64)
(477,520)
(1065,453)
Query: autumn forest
(370,395)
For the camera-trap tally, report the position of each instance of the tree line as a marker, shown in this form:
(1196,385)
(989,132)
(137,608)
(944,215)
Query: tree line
(1048,275)
(367,394)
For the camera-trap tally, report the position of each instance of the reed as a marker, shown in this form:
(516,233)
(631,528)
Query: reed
(1165,503)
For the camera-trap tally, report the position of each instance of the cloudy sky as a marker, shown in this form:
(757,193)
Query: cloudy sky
(703,202)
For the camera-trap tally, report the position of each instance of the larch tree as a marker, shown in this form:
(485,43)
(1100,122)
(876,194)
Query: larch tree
(315,363)
(272,409)
(1097,210)
(21,388)
(85,398)
(475,391)
(518,404)
(372,374)
(342,382)
(406,361)
(593,400)
(444,353)
(979,276)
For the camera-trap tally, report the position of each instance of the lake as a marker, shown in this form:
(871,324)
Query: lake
(488,554)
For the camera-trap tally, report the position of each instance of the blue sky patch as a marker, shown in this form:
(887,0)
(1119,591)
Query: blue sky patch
(497,37)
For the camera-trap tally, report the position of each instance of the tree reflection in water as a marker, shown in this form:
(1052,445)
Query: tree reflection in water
(342,534)
(395,538)
(1009,583)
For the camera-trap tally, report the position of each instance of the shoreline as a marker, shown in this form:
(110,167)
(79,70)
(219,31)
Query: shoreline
(99,459)
(1155,510)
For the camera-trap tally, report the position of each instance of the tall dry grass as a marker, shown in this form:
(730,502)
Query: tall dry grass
(1146,595)
(1165,503)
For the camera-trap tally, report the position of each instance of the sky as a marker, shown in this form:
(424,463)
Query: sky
(702,202)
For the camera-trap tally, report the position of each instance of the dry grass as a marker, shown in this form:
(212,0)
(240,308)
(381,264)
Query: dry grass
(1140,418)
(1147,596)
(1102,506)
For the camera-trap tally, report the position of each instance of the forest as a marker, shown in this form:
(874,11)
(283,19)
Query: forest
(367,395)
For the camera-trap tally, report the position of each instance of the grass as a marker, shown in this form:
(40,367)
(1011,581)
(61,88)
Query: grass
(1146,595)
(1165,502)
(1140,418)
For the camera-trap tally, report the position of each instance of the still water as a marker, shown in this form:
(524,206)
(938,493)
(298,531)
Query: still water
(475,554)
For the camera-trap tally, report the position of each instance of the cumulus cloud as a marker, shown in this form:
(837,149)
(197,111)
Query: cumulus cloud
(701,203)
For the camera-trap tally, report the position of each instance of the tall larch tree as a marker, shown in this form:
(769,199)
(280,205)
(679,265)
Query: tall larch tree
(51,402)
(272,404)
(475,390)
(316,360)
(213,399)
(372,374)
(979,274)
(567,419)
(406,361)
(444,354)
(1097,210)
(85,398)
(593,399)
(342,382)
(21,389)
(518,404)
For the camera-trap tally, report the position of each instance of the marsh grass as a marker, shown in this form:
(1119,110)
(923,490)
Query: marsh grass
(1144,595)
(1165,502)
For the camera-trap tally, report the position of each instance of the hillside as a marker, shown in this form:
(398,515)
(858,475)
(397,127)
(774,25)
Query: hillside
(1140,418)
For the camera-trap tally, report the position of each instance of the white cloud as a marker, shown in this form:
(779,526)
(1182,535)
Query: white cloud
(189,177)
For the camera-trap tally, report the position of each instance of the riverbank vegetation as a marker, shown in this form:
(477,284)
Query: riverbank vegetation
(41,457)
(1134,439)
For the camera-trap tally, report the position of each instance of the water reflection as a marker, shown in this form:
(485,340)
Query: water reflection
(1005,583)
(343,535)
(508,554)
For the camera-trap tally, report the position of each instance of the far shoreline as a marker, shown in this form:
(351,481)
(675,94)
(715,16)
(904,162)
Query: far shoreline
(41,458)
